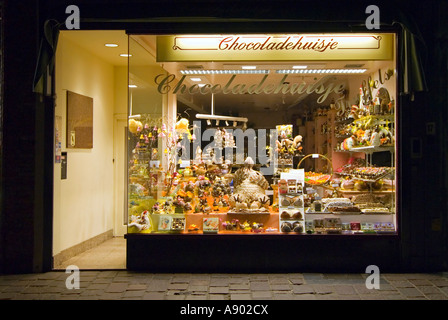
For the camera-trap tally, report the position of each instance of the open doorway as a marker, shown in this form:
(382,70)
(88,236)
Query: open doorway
(89,182)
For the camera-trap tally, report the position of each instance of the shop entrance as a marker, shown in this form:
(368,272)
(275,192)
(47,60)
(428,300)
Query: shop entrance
(90,179)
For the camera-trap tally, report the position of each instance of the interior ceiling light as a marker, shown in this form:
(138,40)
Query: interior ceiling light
(198,72)
(111,45)
(195,79)
(322,71)
(125,55)
(249,67)
(132,86)
(209,117)
(299,67)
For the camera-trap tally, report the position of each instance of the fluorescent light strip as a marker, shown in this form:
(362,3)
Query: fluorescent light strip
(351,71)
(218,117)
(198,72)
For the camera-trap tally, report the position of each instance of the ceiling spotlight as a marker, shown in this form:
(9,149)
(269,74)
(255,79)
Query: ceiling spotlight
(227,123)
(125,55)
(209,122)
(111,45)
(234,123)
(217,122)
(299,67)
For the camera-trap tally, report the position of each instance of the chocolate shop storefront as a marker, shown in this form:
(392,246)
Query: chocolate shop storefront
(243,146)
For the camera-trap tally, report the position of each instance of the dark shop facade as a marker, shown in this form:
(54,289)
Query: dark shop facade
(225,136)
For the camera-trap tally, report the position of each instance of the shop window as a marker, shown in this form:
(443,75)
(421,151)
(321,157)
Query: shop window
(262,134)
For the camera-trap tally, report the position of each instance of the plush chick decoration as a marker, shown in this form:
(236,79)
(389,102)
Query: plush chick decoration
(182,126)
(135,126)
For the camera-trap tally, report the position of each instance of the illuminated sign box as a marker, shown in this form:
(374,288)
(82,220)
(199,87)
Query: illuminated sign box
(275,47)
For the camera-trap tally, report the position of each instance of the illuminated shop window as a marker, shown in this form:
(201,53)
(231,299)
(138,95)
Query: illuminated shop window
(262,134)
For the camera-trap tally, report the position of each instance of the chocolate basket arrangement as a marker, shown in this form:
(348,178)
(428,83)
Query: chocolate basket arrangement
(314,178)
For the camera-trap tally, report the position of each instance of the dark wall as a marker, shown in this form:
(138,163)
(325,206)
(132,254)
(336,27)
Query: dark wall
(27,149)
(424,210)
(19,141)
(26,216)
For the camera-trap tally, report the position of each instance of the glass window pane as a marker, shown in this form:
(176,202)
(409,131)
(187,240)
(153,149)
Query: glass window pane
(227,144)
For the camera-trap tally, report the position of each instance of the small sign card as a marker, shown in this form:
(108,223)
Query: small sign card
(210,225)
(165,222)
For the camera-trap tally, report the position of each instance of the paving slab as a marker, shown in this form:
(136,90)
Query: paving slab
(240,296)
(303,289)
(219,290)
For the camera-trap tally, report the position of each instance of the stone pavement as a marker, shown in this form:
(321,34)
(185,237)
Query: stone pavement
(127,285)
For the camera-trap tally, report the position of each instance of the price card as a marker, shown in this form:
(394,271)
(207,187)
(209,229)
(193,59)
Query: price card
(210,225)
(184,163)
(154,163)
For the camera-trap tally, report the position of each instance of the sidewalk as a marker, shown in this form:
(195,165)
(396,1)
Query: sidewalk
(126,285)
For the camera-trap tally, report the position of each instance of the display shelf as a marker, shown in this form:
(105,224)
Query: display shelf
(376,117)
(349,217)
(273,234)
(354,176)
(373,149)
(368,149)
(347,213)
(374,213)
(255,213)
(347,191)
(353,191)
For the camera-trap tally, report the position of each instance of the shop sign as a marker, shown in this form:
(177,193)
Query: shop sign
(167,83)
(290,47)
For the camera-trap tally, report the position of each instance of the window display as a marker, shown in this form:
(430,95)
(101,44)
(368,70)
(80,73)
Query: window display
(330,170)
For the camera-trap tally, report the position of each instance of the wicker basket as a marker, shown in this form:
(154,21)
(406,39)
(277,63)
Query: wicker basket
(313,178)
